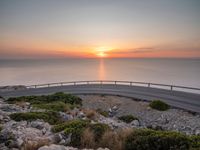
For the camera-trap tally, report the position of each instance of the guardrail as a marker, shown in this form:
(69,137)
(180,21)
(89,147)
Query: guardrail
(130,83)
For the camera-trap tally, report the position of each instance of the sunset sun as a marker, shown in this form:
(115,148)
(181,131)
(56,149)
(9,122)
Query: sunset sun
(101,54)
(102,51)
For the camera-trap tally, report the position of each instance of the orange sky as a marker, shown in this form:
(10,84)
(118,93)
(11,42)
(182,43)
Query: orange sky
(99,29)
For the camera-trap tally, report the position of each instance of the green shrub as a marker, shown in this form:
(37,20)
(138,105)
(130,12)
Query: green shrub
(76,128)
(60,96)
(103,113)
(159,105)
(54,106)
(98,130)
(145,139)
(195,141)
(72,124)
(50,117)
(127,118)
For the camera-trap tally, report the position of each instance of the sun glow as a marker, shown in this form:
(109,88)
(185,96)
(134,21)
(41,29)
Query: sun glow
(102,51)
(101,54)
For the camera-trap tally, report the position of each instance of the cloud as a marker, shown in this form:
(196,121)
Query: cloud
(133,50)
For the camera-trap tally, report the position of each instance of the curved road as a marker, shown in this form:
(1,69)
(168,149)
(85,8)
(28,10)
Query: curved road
(188,101)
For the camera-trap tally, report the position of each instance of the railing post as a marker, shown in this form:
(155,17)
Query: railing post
(35,86)
(48,85)
(171,87)
(149,84)
(87,82)
(115,82)
(131,83)
(74,83)
(61,84)
(101,82)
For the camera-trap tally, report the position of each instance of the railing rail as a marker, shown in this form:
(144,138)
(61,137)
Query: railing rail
(130,83)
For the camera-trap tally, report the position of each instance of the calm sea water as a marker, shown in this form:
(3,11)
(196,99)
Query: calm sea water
(185,72)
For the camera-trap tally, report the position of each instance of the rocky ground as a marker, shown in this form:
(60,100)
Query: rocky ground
(172,119)
(31,134)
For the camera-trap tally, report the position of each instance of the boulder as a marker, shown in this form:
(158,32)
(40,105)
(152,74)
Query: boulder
(56,147)
(65,116)
(135,123)
(197,132)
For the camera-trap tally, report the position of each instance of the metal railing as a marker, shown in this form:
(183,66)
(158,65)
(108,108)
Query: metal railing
(130,83)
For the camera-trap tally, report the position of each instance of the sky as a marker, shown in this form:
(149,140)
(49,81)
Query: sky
(99,28)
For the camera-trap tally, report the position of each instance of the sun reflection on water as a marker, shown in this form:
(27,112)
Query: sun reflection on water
(101,69)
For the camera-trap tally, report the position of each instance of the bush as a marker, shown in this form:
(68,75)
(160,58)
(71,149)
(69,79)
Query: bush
(87,139)
(76,128)
(111,140)
(72,124)
(195,141)
(99,129)
(127,118)
(103,113)
(91,114)
(60,96)
(50,117)
(156,140)
(159,105)
(55,106)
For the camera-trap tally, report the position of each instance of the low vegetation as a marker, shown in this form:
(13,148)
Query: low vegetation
(143,139)
(43,99)
(98,129)
(91,114)
(103,113)
(55,106)
(195,141)
(159,105)
(88,135)
(77,129)
(50,117)
(127,118)
(85,134)
(72,124)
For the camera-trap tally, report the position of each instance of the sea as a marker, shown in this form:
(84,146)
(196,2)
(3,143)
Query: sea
(173,71)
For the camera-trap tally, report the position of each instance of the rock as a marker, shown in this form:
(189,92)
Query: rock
(113,123)
(57,138)
(148,108)
(81,115)
(56,147)
(197,132)
(135,123)
(41,125)
(15,134)
(66,116)
(3,147)
(11,144)
(61,147)
(37,124)
(114,108)
(19,142)
(102,148)
(62,142)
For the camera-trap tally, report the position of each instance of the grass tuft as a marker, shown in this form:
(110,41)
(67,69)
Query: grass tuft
(127,118)
(159,105)
(50,117)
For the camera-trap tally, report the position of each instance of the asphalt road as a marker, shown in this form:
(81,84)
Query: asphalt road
(184,100)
